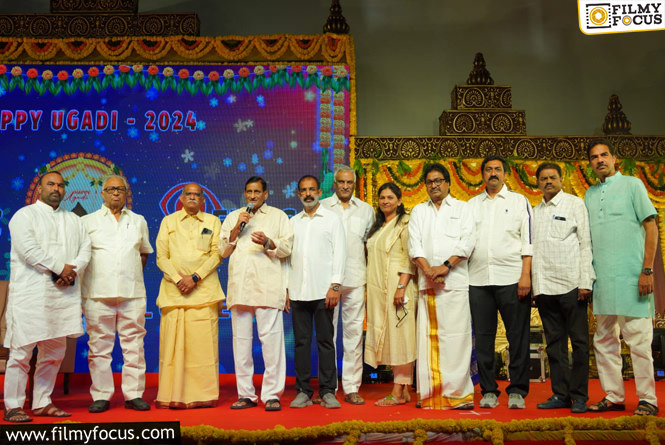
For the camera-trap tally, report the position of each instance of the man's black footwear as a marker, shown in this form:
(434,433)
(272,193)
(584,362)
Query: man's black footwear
(99,406)
(137,404)
(578,407)
(553,403)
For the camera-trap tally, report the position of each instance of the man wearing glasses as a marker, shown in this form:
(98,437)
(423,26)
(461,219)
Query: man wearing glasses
(189,297)
(441,238)
(114,298)
(357,218)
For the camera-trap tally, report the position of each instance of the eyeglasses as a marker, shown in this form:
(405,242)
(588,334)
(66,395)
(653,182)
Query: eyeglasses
(112,190)
(400,313)
(437,182)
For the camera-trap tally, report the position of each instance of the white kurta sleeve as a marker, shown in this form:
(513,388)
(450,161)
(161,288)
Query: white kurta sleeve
(28,248)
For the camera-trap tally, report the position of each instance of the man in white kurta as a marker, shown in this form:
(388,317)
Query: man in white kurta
(114,297)
(441,238)
(258,242)
(357,218)
(50,248)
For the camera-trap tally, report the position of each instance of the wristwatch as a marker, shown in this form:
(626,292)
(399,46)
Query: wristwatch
(335,287)
(195,278)
(401,286)
(448,265)
(647,271)
(267,244)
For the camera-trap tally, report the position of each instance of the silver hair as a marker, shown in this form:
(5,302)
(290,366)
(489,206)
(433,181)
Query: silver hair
(344,168)
(106,179)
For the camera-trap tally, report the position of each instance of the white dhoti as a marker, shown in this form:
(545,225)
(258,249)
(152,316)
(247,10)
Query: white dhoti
(444,349)
(270,327)
(49,356)
(105,317)
(638,334)
(352,303)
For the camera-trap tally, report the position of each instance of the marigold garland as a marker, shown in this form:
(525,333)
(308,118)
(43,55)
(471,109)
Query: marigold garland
(331,48)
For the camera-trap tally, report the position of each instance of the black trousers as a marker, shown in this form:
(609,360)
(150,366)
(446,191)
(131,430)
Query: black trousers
(302,314)
(516,315)
(565,317)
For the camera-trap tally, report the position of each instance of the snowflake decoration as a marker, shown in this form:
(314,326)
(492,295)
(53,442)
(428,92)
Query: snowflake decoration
(255,158)
(294,144)
(151,94)
(290,190)
(270,144)
(279,161)
(242,166)
(187,156)
(63,137)
(133,132)
(227,162)
(230,99)
(103,101)
(213,102)
(21,157)
(2,91)
(310,96)
(261,101)
(200,125)
(154,137)
(267,154)
(243,125)
(17,183)
(194,165)
(259,170)
(102,148)
(52,153)
(134,179)
(98,143)
(211,171)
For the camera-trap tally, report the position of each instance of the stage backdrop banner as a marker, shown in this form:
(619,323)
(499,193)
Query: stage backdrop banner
(161,127)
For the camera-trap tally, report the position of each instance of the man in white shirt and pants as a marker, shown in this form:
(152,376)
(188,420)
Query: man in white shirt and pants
(357,218)
(563,277)
(258,240)
(50,249)
(500,279)
(316,271)
(114,296)
(441,238)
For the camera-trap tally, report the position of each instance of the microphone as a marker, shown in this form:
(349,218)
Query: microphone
(250,206)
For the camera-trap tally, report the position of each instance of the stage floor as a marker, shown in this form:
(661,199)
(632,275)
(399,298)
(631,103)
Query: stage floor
(78,400)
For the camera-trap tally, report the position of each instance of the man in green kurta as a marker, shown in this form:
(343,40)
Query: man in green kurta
(624,235)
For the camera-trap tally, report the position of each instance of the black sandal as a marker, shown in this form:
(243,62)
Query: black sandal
(605,405)
(273,405)
(243,403)
(645,408)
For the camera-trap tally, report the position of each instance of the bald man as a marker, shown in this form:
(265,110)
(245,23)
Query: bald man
(189,297)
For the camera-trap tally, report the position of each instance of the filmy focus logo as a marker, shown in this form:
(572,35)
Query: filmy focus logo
(613,16)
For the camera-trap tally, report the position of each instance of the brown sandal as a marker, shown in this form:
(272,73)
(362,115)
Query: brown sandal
(50,410)
(16,415)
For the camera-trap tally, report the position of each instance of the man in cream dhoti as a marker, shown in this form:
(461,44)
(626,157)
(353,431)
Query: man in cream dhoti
(50,248)
(189,296)
(114,298)
(258,242)
(441,238)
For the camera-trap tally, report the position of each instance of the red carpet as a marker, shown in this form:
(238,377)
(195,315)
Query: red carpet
(78,400)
